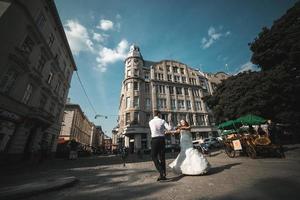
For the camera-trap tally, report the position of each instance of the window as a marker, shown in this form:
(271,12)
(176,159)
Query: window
(147,87)
(175,69)
(198,105)
(173,104)
(27,45)
(174,119)
(162,103)
(128,73)
(136,72)
(186,91)
(159,68)
(50,77)
(147,117)
(50,39)
(181,70)
(193,81)
(136,102)
(135,117)
(168,68)
(169,77)
(176,78)
(180,104)
(27,94)
(41,63)
(127,102)
(196,92)
(135,85)
(188,104)
(191,120)
(148,103)
(178,90)
(128,86)
(159,76)
(146,76)
(164,117)
(183,79)
(171,89)
(8,80)
(127,118)
(161,89)
(41,20)
(200,120)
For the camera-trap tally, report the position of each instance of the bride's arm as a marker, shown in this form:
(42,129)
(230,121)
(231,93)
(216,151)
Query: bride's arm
(173,132)
(185,128)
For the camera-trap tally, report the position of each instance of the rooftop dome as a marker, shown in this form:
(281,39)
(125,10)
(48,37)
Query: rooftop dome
(134,51)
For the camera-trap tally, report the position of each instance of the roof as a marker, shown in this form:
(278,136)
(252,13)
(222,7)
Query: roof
(148,63)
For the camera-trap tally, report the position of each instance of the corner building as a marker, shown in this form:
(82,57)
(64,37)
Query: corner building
(169,86)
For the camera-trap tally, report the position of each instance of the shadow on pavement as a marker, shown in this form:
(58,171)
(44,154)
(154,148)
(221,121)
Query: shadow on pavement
(216,170)
(268,189)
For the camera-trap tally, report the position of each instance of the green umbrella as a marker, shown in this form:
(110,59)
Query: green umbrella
(250,120)
(228,125)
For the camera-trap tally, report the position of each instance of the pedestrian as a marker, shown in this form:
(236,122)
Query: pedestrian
(157,128)
(124,154)
(73,149)
(261,131)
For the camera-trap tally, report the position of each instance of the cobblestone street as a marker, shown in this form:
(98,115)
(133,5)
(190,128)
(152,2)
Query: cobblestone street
(104,177)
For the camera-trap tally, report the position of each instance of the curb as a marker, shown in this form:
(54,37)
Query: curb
(37,187)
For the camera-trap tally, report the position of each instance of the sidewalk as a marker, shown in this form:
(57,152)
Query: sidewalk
(36,187)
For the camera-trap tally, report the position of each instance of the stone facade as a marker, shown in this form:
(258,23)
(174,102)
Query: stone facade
(169,86)
(77,126)
(36,69)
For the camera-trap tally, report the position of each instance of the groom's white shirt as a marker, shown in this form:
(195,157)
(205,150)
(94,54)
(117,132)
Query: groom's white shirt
(158,126)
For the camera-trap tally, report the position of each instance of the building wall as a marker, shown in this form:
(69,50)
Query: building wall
(169,86)
(77,126)
(36,70)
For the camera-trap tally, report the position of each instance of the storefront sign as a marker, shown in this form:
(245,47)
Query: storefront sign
(237,145)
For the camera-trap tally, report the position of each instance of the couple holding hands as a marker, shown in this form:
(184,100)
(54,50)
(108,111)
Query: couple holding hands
(189,161)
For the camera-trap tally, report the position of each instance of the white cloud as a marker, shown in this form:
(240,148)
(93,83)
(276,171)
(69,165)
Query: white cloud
(247,66)
(105,25)
(99,37)
(213,36)
(108,56)
(78,37)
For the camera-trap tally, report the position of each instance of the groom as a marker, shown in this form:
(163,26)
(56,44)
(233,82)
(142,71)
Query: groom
(157,127)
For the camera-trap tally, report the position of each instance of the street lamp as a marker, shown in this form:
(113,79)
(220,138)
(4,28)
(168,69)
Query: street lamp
(96,116)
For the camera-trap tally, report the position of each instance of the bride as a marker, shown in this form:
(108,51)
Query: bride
(189,161)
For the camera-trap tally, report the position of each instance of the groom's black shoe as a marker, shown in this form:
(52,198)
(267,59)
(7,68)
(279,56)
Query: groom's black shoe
(161,178)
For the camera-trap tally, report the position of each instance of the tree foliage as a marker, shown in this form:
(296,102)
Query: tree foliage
(273,92)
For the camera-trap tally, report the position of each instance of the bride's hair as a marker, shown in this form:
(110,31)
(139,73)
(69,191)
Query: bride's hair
(186,123)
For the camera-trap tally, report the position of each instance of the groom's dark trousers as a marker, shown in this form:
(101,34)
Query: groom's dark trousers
(158,154)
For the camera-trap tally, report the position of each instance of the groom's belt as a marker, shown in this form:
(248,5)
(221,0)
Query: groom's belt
(158,137)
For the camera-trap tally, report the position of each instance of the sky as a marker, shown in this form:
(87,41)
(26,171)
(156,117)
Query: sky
(211,35)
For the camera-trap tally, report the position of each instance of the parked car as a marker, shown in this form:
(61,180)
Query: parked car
(212,142)
(202,147)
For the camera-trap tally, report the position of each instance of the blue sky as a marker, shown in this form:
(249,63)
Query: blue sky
(211,35)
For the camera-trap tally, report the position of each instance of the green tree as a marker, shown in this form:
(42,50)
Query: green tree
(274,91)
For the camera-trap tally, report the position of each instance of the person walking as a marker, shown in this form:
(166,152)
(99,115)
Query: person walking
(157,128)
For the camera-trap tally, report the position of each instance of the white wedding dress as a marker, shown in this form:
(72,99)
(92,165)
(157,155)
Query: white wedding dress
(189,161)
